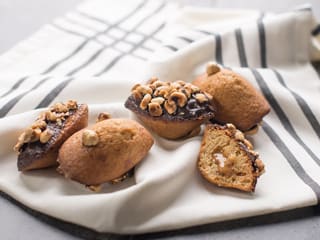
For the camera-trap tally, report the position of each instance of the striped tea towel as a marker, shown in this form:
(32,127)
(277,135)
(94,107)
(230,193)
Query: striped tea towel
(97,52)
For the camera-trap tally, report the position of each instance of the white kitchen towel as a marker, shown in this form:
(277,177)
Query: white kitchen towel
(97,52)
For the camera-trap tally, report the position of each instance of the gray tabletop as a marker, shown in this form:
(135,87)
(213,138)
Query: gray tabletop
(18,20)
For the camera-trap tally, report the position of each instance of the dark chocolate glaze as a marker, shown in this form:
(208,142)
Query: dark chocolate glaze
(32,151)
(193,110)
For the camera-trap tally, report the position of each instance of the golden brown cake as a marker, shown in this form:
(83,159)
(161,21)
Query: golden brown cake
(171,109)
(237,101)
(39,144)
(105,151)
(227,159)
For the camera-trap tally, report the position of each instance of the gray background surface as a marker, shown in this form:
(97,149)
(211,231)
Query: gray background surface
(18,20)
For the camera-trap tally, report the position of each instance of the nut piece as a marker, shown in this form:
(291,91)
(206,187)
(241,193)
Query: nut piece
(155,109)
(159,100)
(260,166)
(103,116)
(45,136)
(145,101)
(201,98)
(59,108)
(170,106)
(39,124)
(51,116)
(72,104)
(95,188)
(212,68)
(179,98)
(90,138)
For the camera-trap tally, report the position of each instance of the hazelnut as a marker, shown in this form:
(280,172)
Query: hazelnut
(186,92)
(59,107)
(144,89)
(137,95)
(35,135)
(145,101)
(90,138)
(51,116)
(162,91)
(153,79)
(95,188)
(212,68)
(179,98)
(200,97)
(159,100)
(170,106)
(27,135)
(259,165)
(158,83)
(181,83)
(239,135)
(39,124)
(135,86)
(103,116)
(59,122)
(155,109)
(72,104)
(21,141)
(45,136)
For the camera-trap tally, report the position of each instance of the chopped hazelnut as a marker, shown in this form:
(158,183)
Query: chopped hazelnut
(200,97)
(72,104)
(51,116)
(170,106)
(155,109)
(260,166)
(212,68)
(144,89)
(95,188)
(39,124)
(179,98)
(103,116)
(45,136)
(162,91)
(135,86)
(27,135)
(159,100)
(152,80)
(90,138)
(35,135)
(145,101)
(59,107)
(137,95)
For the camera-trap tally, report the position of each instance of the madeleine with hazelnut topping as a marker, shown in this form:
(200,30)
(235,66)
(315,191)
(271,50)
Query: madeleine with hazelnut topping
(105,152)
(171,109)
(38,145)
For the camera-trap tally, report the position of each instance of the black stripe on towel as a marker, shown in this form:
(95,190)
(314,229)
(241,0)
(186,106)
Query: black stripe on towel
(68,30)
(103,21)
(302,104)
(10,104)
(262,41)
(100,51)
(241,49)
(84,43)
(218,45)
(186,39)
(116,59)
(294,163)
(99,41)
(47,100)
(281,114)
(316,30)
(15,86)
(173,48)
